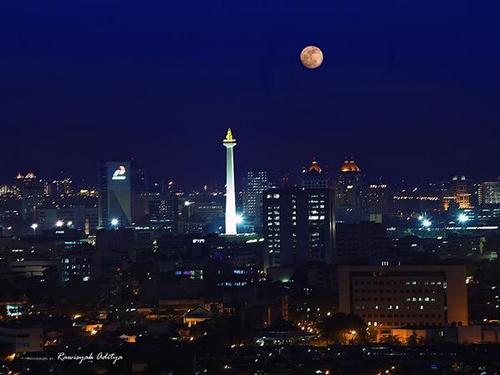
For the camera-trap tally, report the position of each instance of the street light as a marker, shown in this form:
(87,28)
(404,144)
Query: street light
(34,226)
(115,222)
(59,223)
(463,218)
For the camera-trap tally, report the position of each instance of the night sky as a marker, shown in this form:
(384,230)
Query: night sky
(409,88)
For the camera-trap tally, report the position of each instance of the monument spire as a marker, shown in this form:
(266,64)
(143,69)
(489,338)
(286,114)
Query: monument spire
(229,142)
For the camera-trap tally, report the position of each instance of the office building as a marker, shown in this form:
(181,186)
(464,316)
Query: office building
(76,217)
(360,243)
(32,190)
(76,263)
(376,199)
(457,195)
(163,210)
(314,177)
(256,183)
(21,338)
(299,226)
(399,296)
(122,185)
(348,193)
(489,193)
(231,219)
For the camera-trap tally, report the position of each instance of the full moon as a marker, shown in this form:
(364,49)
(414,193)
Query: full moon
(311,57)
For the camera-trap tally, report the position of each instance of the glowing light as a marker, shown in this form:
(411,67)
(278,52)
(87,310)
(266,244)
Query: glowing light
(426,223)
(120,173)
(463,218)
(59,223)
(115,222)
(34,226)
(239,219)
(69,223)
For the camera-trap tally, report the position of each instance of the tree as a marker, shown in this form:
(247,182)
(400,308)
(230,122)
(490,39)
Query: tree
(342,329)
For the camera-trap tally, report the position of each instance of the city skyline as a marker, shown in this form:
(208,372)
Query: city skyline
(218,182)
(260,187)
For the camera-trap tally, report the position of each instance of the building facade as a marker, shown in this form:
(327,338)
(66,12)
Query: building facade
(489,193)
(299,226)
(348,193)
(256,182)
(399,296)
(314,177)
(122,185)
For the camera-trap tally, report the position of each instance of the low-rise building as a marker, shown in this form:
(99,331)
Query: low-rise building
(399,296)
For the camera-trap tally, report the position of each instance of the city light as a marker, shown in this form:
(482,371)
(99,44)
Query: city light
(59,223)
(115,222)
(426,223)
(69,223)
(239,219)
(34,226)
(463,218)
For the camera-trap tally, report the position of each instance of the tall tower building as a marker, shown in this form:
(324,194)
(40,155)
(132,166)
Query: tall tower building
(348,193)
(122,185)
(255,183)
(314,177)
(229,142)
(299,226)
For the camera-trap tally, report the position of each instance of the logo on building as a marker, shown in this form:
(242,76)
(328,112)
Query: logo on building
(120,173)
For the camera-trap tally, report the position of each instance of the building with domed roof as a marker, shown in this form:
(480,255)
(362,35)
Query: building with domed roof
(349,166)
(348,193)
(314,177)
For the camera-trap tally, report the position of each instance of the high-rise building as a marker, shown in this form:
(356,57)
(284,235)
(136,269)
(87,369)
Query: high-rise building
(360,243)
(348,193)
(122,201)
(299,226)
(457,194)
(164,210)
(489,193)
(399,296)
(314,177)
(231,220)
(377,198)
(256,183)
(31,190)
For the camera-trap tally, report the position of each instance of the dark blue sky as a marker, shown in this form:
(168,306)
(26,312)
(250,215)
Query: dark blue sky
(409,88)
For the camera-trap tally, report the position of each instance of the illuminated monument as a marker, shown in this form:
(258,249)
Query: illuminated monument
(229,142)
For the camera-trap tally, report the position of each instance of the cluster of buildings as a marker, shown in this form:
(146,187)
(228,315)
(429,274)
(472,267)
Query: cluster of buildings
(140,256)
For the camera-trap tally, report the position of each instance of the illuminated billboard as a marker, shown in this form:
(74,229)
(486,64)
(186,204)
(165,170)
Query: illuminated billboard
(119,192)
(120,173)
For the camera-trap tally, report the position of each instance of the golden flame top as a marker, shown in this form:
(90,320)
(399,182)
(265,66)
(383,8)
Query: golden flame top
(229,136)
